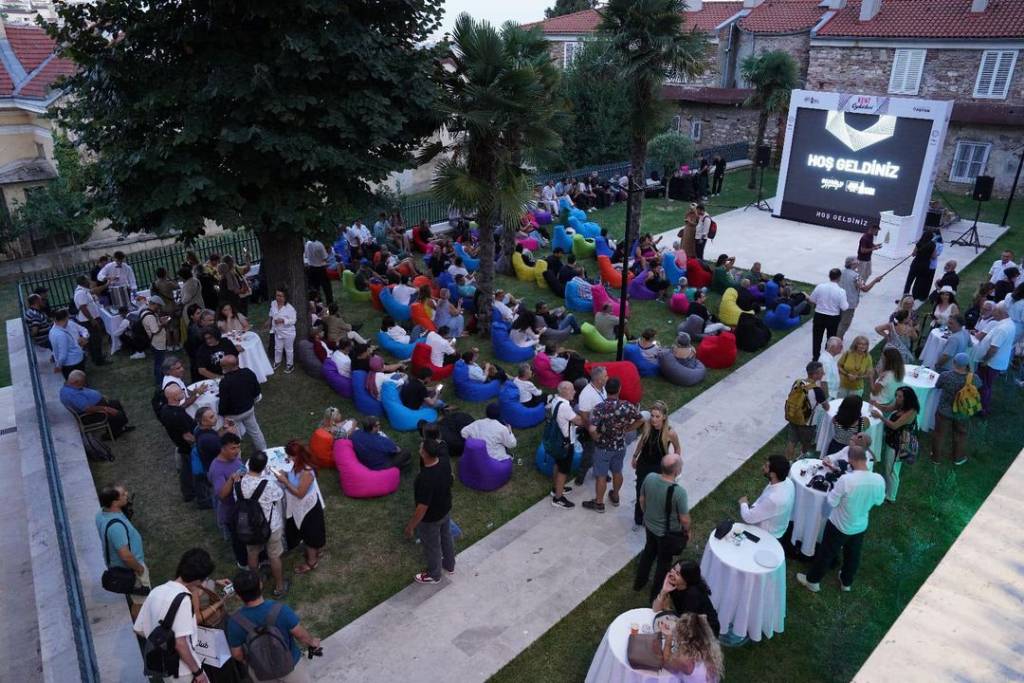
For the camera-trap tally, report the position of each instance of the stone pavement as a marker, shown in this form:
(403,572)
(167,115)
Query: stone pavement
(520,580)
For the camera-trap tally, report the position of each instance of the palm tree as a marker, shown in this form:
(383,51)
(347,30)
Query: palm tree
(772,75)
(494,99)
(651,40)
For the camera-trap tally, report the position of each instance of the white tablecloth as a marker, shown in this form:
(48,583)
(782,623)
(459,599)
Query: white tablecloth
(211,399)
(111,321)
(933,346)
(810,509)
(924,386)
(750,599)
(254,356)
(610,664)
(826,430)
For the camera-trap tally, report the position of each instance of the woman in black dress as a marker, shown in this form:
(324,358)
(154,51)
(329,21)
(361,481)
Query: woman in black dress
(657,438)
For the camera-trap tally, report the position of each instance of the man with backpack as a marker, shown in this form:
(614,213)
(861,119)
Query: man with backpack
(704,231)
(959,400)
(167,622)
(259,518)
(804,396)
(264,635)
(560,441)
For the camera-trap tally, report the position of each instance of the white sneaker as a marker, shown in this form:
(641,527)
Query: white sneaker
(843,587)
(277,365)
(802,580)
(137,356)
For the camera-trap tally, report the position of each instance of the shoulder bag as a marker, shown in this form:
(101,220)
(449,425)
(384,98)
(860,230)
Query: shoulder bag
(119,580)
(675,541)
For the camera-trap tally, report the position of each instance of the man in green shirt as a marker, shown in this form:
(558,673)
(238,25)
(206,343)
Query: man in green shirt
(666,534)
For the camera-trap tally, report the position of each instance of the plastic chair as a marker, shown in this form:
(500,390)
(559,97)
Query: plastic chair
(635,355)
(365,403)
(626,372)
(579,295)
(470,390)
(523,272)
(335,380)
(679,374)
(679,303)
(752,334)
(375,289)
(529,243)
(539,269)
(98,426)
(421,359)
(505,349)
(305,356)
(321,447)
(359,481)
(396,348)
(602,248)
(781,318)
(515,413)
(728,311)
(638,288)
(543,217)
(610,275)
(479,471)
(590,230)
(696,274)
(402,418)
(400,312)
(348,285)
(561,240)
(418,314)
(593,340)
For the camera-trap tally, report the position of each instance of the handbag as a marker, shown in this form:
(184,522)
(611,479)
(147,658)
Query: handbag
(675,541)
(908,445)
(643,651)
(119,580)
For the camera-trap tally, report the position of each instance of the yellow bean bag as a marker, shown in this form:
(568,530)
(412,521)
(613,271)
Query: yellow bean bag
(523,272)
(728,311)
(594,341)
(538,271)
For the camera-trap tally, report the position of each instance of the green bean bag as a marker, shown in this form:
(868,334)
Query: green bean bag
(583,247)
(593,340)
(348,285)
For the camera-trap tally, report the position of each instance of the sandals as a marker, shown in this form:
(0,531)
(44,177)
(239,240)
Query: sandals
(305,567)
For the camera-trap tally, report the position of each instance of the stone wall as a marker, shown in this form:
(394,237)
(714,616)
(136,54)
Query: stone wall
(1002,159)
(796,44)
(724,124)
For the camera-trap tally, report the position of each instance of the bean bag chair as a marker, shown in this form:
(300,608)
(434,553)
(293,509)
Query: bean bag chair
(543,217)
(602,248)
(582,246)
(696,274)
(479,471)
(756,293)
(679,374)
(539,269)
(751,333)
(341,250)
(555,336)
(419,245)
(515,413)
(546,465)
(561,240)
(523,272)
(305,356)
(365,403)
(542,372)
(590,230)
(672,271)
(632,389)
(395,348)
(771,294)
(529,243)
(504,348)
(600,297)
(565,206)
(335,380)
(401,418)
(721,280)
(470,390)
(421,359)
(579,295)
(693,326)
(375,289)
(321,447)
(332,274)
(550,278)
(575,222)
(400,312)
(638,288)
(781,318)
(679,303)
(609,274)
(348,285)
(418,314)
(472,264)
(635,355)
(717,351)
(728,312)
(359,481)
(593,340)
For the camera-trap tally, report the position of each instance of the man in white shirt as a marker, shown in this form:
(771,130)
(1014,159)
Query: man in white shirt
(315,256)
(851,499)
(503,308)
(703,230)
(774,507)
(394,330)
(174,373)
(87,314)
(830,363)
(496,434)
(568,422)
(590,396)
(270,498)
(994,353)
(998,270)
(342,359)
(403,291)
(829,301)
(440,347)
(529,394)
(548,197)
(194,567)
(117,273)
(457,268)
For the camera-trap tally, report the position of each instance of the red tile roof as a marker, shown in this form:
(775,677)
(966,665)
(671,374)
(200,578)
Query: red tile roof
(39,86)
(783,16)
(584,21)
(35,51)
(31,45)
(587,21)
(930,19)
(6,82)
(713,14)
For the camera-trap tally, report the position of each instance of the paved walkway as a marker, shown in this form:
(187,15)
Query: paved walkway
(516,583)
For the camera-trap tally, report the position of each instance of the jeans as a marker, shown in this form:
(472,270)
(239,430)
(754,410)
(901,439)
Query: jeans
(822,326)
(158,365)
(569,321)
(832,543)
(438,546)
(716,183)
(252,428)
(638,514)
(699,245)
(655,549)
(238,548)
(185,482)
(96,334)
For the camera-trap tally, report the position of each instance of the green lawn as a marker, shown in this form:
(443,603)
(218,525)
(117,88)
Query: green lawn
(8,310)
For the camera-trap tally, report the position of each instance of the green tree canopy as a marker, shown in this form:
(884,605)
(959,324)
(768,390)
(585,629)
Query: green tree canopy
(772,75)
(568,7)
(669,151)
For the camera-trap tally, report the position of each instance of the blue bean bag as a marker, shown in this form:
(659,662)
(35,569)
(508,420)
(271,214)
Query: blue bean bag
(638,290)
(399,312)
(546,465)
(672,271)
(575,222)
(479,471)
(472,264)
(679,374)
(505,349)
(469,390)
(771,294)
(561,240)
(634,354)
(578,213)
(515,413)
(365,404)
(602,248)
(395,348)
(781,318)
(335,380)
(401,418)
(564,204)
(578,296)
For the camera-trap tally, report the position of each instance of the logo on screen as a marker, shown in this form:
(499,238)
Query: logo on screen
(856,140)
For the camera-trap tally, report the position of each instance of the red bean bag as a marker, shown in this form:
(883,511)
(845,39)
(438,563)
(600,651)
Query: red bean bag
(418,244)
(545,376)
(421,280)
(406,269)
(375,288)
(332,274)
(696,274)
(321,447)
(359,481)
(421,359)
(626,372)
(718,351)
(609,274)
(421,317)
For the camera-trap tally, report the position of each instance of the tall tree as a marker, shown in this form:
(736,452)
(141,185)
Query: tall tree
(271,115)
(772,75)
(494,103)
(651,40)
(669,151)
(568,7)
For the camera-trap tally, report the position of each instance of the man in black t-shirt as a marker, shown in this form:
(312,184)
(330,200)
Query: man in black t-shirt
(431,519)
(212,351)
(239,391)
(180,425)
(414,394)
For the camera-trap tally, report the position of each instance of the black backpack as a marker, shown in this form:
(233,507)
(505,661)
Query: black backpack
(159,656)
(266,651)
(556,445)
(158,402)
(140,338)
(251,526)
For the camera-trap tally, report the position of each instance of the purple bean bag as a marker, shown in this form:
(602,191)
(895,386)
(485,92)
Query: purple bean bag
(479,471)
(342,385)
(638,290)
(543,217)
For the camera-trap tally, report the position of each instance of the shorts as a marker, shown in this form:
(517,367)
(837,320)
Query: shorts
(140,582)
(608,460)
(274,545)
(804,435)
(564,464)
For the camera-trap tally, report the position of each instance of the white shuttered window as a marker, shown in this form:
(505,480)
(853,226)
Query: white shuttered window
(907,66)
(569,53)
(968,161)
(995,73)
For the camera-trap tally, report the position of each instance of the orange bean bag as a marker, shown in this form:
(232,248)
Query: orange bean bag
(609,274)
(321,447)
(421,280)
(717,351)
(421,317)
(696,274)
(632,390)
(375,288)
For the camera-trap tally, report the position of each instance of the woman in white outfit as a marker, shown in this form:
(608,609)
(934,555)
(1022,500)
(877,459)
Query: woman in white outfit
(304,506)
(282,323)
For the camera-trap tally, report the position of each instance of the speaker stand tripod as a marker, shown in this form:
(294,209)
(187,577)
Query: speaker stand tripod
(761,204)
(970,237)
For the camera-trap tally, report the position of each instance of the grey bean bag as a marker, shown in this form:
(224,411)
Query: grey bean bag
(556,336)
(693,326)
(305,356)
(679,374)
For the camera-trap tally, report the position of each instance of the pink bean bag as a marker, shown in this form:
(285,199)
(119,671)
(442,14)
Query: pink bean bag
(529,243)
(632,389)
(359,481)
(599,297)
(543,373)
(679,303)
(717,351)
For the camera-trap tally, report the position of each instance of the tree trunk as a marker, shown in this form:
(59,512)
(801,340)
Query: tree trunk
(485,276)
(508,245)
(282,265)
(762,124)
(637,162)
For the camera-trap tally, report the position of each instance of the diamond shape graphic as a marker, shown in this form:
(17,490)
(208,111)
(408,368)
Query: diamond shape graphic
(856,140)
